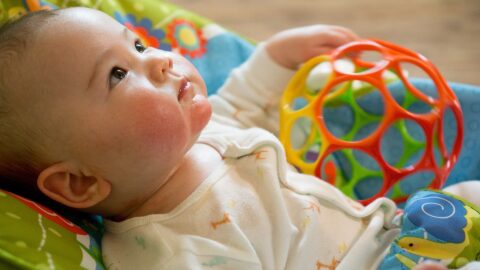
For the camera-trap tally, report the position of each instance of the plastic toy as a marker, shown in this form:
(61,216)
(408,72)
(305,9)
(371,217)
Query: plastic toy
(361,125)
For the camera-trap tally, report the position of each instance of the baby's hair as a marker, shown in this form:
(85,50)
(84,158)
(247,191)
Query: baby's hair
(20,162)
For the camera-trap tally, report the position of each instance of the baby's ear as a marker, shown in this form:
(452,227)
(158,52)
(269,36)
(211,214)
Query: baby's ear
(66,184)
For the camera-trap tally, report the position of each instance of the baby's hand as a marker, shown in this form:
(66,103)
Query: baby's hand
(292,47)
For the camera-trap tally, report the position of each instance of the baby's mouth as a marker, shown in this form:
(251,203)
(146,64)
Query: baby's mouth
(184,89)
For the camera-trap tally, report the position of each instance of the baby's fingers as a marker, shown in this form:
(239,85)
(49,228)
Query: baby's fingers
(335,36)
(347,33)
(327,38)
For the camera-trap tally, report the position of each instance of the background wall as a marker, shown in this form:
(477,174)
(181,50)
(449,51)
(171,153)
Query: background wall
(445,31)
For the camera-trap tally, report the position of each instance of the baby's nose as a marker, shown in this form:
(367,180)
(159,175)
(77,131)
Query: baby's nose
(159,68)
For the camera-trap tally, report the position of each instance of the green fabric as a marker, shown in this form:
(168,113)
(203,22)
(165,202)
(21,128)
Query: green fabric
(34,237)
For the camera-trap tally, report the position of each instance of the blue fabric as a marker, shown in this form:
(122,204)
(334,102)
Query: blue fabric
(468,165)
(224,52)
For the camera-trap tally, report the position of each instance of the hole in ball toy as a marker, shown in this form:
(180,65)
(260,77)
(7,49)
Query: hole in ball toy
(302,132)
(338,119)
(368,187)
(449,134)
(354,172)
(371,56)
(364,60)
(450,129)
(416,92)
(397,91)
(304,137)
(337,167)
(312,153)
(344,66)
(394,86)
(410,184)
(419,78)
(403,144)
(419,108)
(298,103)
(366,161)
(405,98)
(318,77)
(415,130)
(391,145)
(368,98)
(322,73)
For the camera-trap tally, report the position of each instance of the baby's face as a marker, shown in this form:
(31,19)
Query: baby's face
(116,108)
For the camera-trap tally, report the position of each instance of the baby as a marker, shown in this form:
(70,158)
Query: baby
(98,122)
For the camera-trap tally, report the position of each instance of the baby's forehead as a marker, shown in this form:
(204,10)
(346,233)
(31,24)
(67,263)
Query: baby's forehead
(67,47)
(84,19)
(63,50)
(76,30)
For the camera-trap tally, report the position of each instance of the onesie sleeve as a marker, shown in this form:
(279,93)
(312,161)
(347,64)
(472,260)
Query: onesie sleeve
(250,96)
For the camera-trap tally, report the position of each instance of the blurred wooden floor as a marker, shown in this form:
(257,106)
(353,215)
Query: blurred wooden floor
(445,31)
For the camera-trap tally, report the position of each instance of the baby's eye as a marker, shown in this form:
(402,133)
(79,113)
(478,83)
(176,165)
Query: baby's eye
(139,46)
(116,75)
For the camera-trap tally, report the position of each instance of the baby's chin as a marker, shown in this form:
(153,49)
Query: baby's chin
(201,113)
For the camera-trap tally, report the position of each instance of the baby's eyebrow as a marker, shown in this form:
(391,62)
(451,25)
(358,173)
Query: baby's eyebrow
(95,67)
(127,34)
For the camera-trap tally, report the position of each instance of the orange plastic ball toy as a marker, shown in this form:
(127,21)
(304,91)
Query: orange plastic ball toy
(313,110)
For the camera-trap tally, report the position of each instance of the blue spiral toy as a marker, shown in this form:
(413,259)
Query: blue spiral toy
(436,226)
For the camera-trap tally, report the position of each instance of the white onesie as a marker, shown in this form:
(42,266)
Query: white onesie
(255,211)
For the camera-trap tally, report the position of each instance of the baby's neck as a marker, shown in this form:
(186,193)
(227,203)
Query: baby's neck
(196,166)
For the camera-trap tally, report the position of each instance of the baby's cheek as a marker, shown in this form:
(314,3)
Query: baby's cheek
(158,126)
